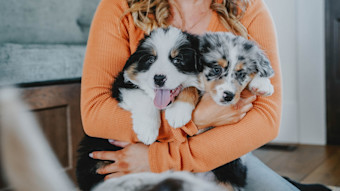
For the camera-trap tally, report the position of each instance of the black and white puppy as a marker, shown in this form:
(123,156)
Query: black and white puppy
(164,63)
(231,64)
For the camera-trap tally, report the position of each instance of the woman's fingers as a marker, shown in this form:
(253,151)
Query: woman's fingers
(104,155)
(244,101)
(108,169)
(240,117)
(119,143)
(249,99)
(246,93)
(246,108)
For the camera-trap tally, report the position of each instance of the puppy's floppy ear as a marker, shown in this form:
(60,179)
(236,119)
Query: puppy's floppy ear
(130,68)
(132,60)
(263,65)
(259,60)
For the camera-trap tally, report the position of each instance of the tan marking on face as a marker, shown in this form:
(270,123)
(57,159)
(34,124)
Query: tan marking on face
(252,75)
(154,53)
(188,95)
(239,66)
(222,62)
(174,53)
(210,86)
(131,71)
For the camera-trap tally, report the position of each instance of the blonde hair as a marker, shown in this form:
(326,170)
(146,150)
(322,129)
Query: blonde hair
(151,14)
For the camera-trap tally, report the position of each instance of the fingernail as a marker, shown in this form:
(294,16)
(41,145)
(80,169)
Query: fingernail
(91,155)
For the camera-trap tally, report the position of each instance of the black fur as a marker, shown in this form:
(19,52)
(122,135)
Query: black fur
(248,46)
(119,83)
(189,53)
(233,172)
(169,184)
(86,167)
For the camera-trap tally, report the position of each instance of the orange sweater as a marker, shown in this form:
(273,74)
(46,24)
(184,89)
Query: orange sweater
(112,41)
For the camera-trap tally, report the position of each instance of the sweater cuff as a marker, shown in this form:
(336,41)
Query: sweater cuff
(190,128)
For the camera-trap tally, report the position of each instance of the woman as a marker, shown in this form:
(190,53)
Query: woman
(117,27)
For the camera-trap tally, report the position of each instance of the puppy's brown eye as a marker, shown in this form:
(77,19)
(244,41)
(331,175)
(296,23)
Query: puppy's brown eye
(151,60)
(177,61)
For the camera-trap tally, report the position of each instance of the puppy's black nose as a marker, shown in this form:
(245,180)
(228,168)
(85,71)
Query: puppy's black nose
(159,80)
(228,96)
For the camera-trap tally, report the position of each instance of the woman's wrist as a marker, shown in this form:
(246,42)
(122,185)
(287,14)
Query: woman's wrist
(199,115)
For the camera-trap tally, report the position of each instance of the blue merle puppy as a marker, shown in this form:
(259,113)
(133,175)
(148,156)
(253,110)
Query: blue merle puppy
(231,64)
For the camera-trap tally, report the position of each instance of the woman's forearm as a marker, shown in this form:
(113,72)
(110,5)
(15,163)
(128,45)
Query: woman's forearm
(107,51)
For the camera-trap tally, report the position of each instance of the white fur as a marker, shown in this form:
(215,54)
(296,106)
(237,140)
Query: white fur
(179,113)
(261,86)
(145,117)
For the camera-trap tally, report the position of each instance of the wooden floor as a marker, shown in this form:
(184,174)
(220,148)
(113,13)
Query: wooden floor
(307,163)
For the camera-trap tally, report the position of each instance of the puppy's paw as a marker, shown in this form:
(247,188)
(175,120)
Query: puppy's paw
(179,114)
(146,130)
(148,136)
(261,86)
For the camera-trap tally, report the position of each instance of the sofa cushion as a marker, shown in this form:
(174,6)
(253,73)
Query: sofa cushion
(36,63)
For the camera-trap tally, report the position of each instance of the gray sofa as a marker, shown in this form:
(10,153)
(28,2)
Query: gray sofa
(43,40)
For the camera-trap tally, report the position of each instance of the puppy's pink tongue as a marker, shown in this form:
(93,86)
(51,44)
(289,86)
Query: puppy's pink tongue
(162,98)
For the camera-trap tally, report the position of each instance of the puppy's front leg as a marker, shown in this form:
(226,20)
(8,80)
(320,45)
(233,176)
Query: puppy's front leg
(146,123)
(261,86)
(145,117)
(180,111)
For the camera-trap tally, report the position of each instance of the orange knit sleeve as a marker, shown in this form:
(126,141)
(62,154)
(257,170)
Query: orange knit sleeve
(107,51)
(223,144)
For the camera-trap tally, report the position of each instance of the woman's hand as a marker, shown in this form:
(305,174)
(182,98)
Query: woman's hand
(208,113)
(125,160)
